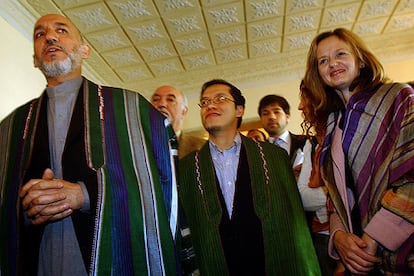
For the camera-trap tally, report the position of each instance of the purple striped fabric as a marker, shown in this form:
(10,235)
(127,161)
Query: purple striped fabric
(378,143)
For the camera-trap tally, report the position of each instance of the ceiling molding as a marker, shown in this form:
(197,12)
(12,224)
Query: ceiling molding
(141,44)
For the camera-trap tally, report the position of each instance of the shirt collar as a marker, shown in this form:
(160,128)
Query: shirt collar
(70,86)
(178,134)
(236,144)
(285,137)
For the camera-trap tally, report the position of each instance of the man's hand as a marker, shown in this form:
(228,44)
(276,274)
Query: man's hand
(50,199)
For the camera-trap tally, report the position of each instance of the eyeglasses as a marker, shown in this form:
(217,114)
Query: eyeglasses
(216,100)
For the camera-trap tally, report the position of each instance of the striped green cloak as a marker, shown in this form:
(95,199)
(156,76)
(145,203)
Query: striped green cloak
(126,144)
(288,245)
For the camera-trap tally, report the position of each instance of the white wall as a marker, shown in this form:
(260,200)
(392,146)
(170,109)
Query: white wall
(402,71)
(19,80)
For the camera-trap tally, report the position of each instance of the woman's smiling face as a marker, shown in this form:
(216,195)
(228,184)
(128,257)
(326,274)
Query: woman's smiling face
(337,64)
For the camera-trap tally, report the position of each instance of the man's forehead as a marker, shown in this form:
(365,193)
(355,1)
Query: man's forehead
(215,94)
(165,94)
(217,89)
(167,91)
(55,20)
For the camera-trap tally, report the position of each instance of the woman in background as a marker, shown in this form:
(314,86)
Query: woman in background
(311,187)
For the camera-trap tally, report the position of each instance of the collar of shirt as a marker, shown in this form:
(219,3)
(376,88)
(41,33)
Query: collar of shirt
(214,150)
(178,134)
(285,137)
(285,140)
(61,101)
(63,89)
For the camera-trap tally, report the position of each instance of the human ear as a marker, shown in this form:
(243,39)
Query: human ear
(184,110)
(85,50)
(240,110)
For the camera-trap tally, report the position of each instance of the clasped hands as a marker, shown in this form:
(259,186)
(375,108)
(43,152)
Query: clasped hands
(357,254)
(50,199)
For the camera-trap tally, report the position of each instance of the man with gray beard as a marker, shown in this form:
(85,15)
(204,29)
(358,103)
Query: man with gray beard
(64,67)
(87,183)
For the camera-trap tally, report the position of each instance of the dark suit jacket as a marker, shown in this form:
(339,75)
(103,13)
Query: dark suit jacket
(297,142)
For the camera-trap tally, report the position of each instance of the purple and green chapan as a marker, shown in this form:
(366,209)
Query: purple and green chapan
(127,145)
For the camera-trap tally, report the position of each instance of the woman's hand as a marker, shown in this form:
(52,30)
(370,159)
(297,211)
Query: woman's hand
(358,255)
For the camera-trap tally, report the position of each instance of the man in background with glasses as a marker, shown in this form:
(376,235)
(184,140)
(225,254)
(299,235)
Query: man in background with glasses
(240,197)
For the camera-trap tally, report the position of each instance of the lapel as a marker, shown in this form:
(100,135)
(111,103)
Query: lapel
(333,170)
(293,144)
(210,192)
(37,144)
(296,142)
(76,125)
(94,110)
(256,160)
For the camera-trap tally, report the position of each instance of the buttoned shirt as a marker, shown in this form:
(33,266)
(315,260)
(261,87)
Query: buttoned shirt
(226,163)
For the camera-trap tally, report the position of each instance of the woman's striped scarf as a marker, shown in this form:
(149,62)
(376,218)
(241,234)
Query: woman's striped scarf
(378,143)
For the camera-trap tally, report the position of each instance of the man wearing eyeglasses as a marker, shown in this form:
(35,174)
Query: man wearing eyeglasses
(240,197)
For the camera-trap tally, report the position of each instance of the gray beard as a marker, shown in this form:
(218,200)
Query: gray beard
(61,68)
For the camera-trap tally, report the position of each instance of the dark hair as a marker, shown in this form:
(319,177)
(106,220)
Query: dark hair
(308,121)
(274,99)
(234,91)
(317,118)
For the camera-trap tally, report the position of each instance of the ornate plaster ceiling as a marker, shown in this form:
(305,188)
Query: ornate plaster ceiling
(141,44)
